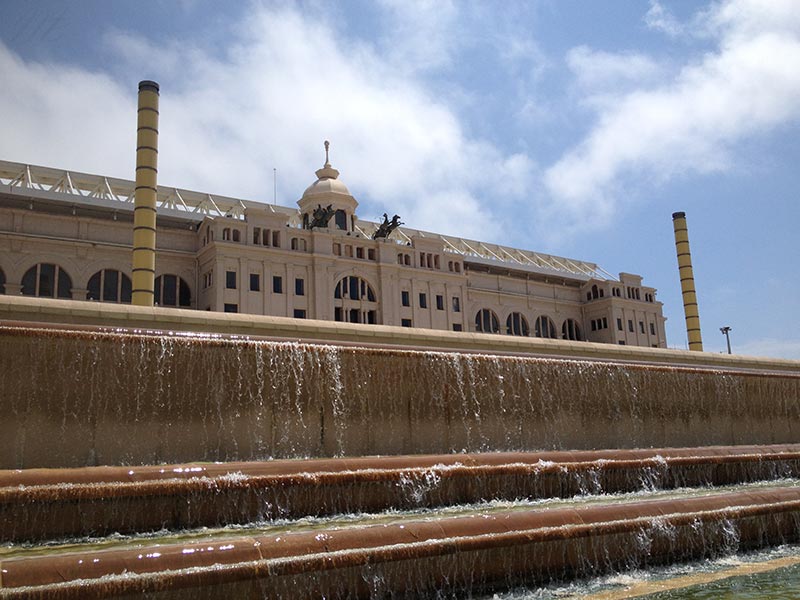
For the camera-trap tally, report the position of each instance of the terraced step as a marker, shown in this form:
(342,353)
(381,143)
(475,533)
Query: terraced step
(483,550)
(41,504)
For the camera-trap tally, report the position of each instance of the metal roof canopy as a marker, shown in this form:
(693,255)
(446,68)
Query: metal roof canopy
(97,191)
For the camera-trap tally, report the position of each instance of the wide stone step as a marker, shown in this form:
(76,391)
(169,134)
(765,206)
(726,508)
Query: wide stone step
(41,504)
(477,552)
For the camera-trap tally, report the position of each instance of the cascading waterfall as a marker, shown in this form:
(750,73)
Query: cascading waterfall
(76,399)
(365,472)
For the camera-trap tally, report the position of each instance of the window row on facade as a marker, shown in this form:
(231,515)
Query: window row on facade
(351,251)
(486,321)
(631,292)
(427,260)
(48,280)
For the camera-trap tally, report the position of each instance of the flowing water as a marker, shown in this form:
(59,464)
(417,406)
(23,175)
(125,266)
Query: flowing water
(74,399)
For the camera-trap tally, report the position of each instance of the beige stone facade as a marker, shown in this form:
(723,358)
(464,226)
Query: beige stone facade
(69,235)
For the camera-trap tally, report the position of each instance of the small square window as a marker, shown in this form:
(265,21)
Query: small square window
(457,327)
(277,284)
(405,299)
(406,322)
(299,313)
(255,282)
(299,287)
(621,342)
(230,280)
(439,302)
(232,308)
(423,300)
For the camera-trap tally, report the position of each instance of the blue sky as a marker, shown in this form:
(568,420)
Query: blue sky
(573,128)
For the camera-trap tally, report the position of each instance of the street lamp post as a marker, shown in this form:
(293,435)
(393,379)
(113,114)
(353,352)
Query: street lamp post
(726,332)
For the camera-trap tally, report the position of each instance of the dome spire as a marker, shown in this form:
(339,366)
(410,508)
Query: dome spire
(327,171)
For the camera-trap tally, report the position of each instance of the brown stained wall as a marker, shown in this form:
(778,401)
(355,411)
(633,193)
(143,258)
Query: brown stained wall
(84,398)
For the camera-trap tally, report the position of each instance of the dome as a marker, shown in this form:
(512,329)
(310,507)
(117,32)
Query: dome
(327,182)
(327,189)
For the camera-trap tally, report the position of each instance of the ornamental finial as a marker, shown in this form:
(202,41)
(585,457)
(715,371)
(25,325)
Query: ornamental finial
(327,160)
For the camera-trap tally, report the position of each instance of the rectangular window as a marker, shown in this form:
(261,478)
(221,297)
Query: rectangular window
(337,249)
(423,300)
(439,302)
(255,282)
(233,308)
(348,251)
(359,252)
(652,328)
(405,299)
(456,304)
(605,323)
(457,327)
(230,280)
(619,324)
(406,322)
(276,239)
(299,287)
(299,313)
(371,254)
(277,284)
(641,327)
(594,325)
(630,325)
(621,342)
(256,235)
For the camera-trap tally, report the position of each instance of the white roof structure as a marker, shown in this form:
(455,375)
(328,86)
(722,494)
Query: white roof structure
(83,189)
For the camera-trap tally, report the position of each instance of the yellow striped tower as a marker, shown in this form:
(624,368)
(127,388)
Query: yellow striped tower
(144,213)
(687,281)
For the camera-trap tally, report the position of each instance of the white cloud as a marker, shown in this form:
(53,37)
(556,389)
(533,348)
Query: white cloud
(287,83)
(749,86)
(661,19)
(421,33)
(605,71)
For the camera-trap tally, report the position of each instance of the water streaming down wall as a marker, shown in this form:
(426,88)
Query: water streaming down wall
(78,398)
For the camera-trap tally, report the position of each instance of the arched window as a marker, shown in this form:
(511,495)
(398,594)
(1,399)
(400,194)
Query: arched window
(517,324)
(570,330)
(47,280)
(172,290)
(544,327)
(354,301)
(486,321)
(109,285)
(340,218)
(595,292)
(237,236)
(226,234)
(2,282)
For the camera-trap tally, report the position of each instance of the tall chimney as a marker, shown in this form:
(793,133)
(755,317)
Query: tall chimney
(687,281)
(144,213)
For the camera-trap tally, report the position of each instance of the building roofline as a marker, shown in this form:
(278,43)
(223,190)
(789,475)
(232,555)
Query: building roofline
(60,186)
